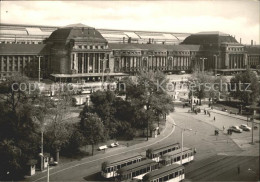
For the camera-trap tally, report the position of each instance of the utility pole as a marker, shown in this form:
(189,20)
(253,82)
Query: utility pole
(39,69)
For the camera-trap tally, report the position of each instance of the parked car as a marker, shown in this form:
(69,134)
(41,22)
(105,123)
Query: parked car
(235,129)
(114,144)
(102,147)
(245,127)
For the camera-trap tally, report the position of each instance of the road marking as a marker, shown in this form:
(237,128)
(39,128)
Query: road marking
(110,155)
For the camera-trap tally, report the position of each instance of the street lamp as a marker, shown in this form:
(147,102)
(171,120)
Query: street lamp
(182,130)
(203,63)
(254,108)
(39,69)
(42,130)
(191,88)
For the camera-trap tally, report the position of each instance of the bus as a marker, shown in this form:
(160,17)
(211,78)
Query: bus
(172,173)
(137,170)
(157,152)
(109,168)
(175,156)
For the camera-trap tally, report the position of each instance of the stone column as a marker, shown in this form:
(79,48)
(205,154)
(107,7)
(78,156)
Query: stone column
(75,62)
(227,65)
(94,62)
(13,63)
(87,62)
(82,62)
(18,63)
(7,63)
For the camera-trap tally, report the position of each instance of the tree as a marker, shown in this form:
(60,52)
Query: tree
(245,86)
(149,93)
(93,130)
(205,85)
(18,131)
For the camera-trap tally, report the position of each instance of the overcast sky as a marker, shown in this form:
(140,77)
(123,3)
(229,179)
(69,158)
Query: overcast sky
(239,18)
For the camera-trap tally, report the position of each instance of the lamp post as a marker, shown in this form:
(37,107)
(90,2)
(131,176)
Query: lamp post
(39,69)
(191,88)
(182,130)
(254,108)
(42,130)
(203,63)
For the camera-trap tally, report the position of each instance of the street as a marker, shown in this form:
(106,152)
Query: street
(221,151)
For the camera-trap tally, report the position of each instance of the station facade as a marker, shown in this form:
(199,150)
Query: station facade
(79,52)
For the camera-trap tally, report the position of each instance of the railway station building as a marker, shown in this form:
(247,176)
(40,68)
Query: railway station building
(79,52)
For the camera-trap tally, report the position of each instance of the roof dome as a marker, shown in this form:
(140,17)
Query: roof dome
(78,32)
(214,38)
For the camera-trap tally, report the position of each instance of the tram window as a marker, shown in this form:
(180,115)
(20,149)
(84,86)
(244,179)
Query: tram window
(123,165)
(170,176)
(129,163)
(176,174)
(148,168)
(182,156)
(178,158)
(137,173)
(134,161)
(108,170)
(160,179)
(169,150)
(186,155)
(134,174)
(165,178)
(118,167)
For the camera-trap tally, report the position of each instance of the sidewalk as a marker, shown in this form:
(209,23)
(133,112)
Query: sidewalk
(244,118)
(223,121)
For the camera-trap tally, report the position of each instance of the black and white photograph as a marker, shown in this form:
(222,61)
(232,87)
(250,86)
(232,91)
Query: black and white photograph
(130,91)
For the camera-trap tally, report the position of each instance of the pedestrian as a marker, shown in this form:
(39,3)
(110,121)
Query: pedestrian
(223,128)
(238,169)
(214,118)
(205,112)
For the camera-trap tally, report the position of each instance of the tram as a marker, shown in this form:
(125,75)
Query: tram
(109,168)
(155,153)
(172,173)
(138,170)
(175,156)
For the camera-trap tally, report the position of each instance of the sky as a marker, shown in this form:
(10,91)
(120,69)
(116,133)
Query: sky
(238,18)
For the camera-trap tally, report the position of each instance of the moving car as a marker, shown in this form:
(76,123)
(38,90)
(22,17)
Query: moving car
(235,129)
(245,127)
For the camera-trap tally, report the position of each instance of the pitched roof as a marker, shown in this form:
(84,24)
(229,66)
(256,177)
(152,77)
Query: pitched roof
(23,49)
